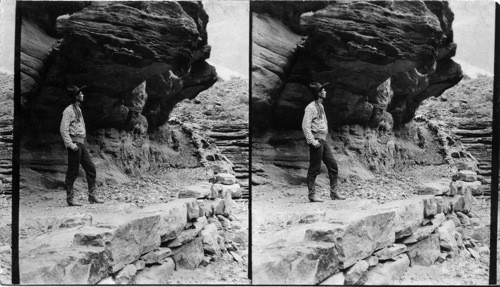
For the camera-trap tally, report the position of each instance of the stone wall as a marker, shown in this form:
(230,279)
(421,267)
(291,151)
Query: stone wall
(144,247)
(367,245)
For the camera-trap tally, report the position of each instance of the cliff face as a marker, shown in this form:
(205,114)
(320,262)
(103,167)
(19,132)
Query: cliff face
(122,51)
(381,58)
(137,59)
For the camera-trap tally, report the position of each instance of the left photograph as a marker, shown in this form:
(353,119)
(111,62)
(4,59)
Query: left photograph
(134,142)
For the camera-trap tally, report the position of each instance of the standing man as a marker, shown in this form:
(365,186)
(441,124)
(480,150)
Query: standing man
(73,134)
(315,128)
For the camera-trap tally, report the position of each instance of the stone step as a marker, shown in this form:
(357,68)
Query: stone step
(473,133)
(478,140)
(484,172)
(228,136)
(475,125)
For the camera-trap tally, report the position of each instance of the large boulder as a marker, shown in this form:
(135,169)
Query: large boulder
(384,273)
(381,58)
(306,264)
(424,252)
(115,49)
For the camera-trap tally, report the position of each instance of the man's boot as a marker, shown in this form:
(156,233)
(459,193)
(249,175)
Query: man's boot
(93,196)
(70,193)
(334,194)
(313,197)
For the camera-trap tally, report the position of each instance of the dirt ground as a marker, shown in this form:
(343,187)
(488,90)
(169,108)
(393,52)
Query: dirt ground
(286,191)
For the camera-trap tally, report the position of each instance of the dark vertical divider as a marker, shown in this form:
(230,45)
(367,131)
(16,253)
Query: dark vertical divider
(250,142)
(15,149)
(495,153)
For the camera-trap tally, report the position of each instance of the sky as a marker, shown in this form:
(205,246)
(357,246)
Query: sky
(7,31)
(473,32)
(228,34)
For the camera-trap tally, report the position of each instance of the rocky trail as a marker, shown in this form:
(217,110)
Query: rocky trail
(284,216)
(232,141)
(476,137)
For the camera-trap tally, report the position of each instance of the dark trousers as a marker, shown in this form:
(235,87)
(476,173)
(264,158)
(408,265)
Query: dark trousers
(324,153)
(77,158)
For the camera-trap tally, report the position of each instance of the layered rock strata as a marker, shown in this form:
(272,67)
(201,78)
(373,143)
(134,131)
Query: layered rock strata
(233,142)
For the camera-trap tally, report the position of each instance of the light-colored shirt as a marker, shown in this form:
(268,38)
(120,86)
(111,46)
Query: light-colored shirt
(72,129)
(313,125)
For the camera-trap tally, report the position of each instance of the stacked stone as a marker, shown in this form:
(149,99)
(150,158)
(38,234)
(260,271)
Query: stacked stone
(141,248)
(232,140)
(222,185)
(466,180)
(463,183)
(225,185)
(368,246)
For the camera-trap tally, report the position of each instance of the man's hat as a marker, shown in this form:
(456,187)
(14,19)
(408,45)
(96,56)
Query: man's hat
(316,87)
(74,90)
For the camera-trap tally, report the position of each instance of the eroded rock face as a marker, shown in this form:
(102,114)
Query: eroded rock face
(137,59)
(124,52)
(381,58)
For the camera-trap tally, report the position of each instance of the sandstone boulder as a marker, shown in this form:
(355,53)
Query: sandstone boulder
(356,274)
(189,255)
(125,243)
(308,263)
(435,188)
(430,207)
(156,274)
(466,175)
(126,275)
(446,233)
(195,191)
(390,252)
(357,238)
(210,240)
(226,179)
(173,216)
(384,273)
(80,266)
(156,256)
(189,234)
(337,279)
(409,214)
(424,252)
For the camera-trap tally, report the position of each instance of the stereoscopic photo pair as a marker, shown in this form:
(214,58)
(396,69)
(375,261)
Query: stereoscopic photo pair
(239,143)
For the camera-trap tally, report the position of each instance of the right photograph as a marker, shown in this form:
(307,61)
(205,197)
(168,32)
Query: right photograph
(371,133)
